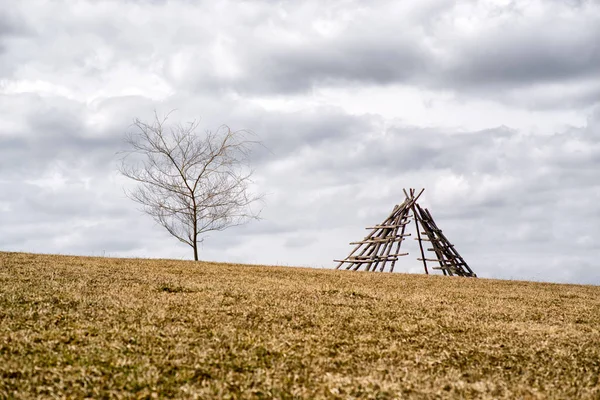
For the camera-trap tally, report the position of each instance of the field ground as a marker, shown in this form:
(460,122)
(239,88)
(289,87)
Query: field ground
(75,327)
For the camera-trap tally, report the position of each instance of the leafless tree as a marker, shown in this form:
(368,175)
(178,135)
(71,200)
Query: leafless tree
(189,183)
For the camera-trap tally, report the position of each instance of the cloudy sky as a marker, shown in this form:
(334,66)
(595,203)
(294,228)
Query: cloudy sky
(492,106)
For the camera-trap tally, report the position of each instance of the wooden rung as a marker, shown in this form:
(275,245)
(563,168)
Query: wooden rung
(378,240)
(371,257)
(424,240)
(399,254)
(370,261)
(395,238)
(388,226)
(432,259)
(373,241)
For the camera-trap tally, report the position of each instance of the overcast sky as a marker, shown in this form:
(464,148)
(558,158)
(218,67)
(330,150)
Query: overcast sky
(492,106)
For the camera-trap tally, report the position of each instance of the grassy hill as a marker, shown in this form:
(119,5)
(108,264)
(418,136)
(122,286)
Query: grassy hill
(113,328)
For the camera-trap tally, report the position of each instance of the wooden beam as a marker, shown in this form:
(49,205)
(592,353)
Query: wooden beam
(419,238)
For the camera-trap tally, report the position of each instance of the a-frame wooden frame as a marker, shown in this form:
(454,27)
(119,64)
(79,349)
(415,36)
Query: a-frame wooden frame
(383,244)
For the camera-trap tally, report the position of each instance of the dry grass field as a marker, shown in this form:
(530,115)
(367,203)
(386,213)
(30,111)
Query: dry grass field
(76,327)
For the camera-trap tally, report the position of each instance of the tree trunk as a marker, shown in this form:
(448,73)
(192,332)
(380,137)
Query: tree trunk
(195,250)
(195,226)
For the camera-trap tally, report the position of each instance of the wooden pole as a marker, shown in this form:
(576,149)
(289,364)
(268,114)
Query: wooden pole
(419,239)
(402,218)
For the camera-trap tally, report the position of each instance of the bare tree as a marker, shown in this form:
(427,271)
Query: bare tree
(190,184)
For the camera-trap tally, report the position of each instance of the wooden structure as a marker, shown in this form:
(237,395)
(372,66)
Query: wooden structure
(382,245)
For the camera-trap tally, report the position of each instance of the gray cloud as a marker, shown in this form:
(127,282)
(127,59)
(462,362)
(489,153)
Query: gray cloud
(527,52)
(508,50)
(504,53)
(11,27)
(360,56)
(47,130)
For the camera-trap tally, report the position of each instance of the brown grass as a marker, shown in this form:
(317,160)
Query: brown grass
(75,327)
